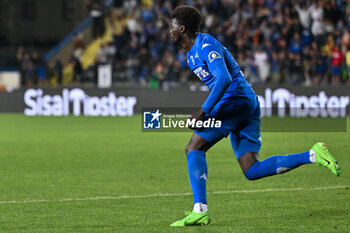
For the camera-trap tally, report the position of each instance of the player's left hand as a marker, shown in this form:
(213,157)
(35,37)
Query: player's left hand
(199,115)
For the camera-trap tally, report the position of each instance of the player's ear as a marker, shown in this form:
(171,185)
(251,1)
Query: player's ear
(182,29)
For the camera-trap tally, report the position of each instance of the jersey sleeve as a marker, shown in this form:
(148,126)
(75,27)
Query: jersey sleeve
(212,54)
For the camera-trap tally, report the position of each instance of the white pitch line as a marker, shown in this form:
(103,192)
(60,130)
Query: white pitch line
(174,194)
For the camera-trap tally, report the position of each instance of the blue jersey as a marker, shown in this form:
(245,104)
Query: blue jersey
(216,67)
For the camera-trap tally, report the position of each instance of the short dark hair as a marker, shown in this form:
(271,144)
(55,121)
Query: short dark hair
(188,16)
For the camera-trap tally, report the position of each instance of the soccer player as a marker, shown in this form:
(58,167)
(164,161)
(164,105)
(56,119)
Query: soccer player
(233,101)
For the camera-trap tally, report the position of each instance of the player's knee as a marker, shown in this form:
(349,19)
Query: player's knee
(247,160)
(191,147)
(188,149)
(252,172)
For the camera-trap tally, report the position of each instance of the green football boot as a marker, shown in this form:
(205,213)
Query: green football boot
(193,219)
(324,158)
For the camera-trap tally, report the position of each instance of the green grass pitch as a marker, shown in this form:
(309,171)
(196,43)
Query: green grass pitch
(85,174)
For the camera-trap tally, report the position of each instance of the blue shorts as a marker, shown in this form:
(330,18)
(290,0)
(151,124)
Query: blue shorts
(336,70)
(240,117)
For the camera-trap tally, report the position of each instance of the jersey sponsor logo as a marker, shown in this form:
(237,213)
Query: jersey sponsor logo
(205,45)
(201,73)
(213,55)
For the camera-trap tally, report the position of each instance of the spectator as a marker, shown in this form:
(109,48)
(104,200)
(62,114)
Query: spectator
(77,70)
(328,47)
(28,70)
(345,40)
(59,71)
(158,76)
(78,45)
(253,75)
(317,27)
(20,58)
(295,45)
(275,68)
(307,66)
(322,68)
(296,69)
(110,53)
(120,33)
(39,69)
(337,60)
(130,5)
(144,59)
(347,57)
(262,62)
(312,58)
(96,13)
(304,15)
(102,55)
(331,15)
(306,37)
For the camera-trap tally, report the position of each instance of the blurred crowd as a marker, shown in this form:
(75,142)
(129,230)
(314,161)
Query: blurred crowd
(274,41)
(32,68)
(294,42)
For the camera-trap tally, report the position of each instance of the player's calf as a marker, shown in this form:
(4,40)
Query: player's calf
(271,166)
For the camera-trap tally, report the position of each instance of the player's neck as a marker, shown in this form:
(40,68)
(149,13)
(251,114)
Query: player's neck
(189,41)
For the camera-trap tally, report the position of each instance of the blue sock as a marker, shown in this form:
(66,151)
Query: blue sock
(276,165)
(198,172)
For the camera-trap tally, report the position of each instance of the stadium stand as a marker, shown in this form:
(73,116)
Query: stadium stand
(293,42)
